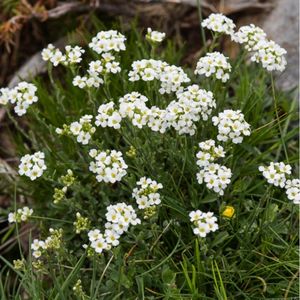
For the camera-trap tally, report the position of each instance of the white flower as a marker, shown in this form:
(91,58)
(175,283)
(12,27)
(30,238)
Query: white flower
(203,223)
(216,177)
(214,64)
(108,116)
(276,173)
(231,126)
(32,166)
(155,36)
(249,35)
(209,153)
(4,95)
(109,166)
(107,41)
(293,190)
(219,23)
(146,194)
(99,245)
(171,77)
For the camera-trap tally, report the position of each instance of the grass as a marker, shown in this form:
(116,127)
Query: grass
(253,255)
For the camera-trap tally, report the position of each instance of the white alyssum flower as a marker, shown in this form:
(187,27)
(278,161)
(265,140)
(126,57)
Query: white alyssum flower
(270,55)
(216,177)
(219,23)
(109,165)
(203,223)
(192,105)
(276,173)
(73,55)
(107,41)
(146,194)
(23,95)
(33,165)
(157,119)
(88,81)
(133,106)
(21,215)
(82,129)
(249,35)
(171,77)
(214,64)
(231,126)
(108,116)
(292,188)
(119,217)
(208,153)
(4,95)
(155,36)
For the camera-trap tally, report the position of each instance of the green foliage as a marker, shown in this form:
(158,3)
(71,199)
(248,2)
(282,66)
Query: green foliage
(252,256)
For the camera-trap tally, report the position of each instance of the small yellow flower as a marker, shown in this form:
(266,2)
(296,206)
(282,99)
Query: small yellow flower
(228,212)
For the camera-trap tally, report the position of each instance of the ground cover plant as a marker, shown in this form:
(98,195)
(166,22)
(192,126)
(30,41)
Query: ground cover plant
(147,180)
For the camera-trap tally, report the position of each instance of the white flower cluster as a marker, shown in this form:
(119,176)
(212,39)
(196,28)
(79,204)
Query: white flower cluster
(146,194)
(55,56)
(192,104)
(209,153)
(133,106)
(216,177)
(265,51)
(52,242)
(171,77)
(23,95)
(270,55)
(204,223)
(119,217)
(109,165)
(108,116)
(231,126)
(107,41)
(96,69)
(33,165)
(219,23)
(83,130)
(249,35)
(214,64)
(155,36)
(293,190)
(21,215)
(276,173)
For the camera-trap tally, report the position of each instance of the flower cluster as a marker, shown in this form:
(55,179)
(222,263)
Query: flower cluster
(146,194)
(219,23)
(155,36)
(171,77)
(264,51)
(66,180)
(208,153)
(52,242)
(214,64)
(216,177)
(83,130)
(270,55)
(192,104)
(231,126)
(276,173)
(23,95)
(119,217)
(81,223)
(87,81)
(107,41)
(55,56)
(249,35)
(21,215)
(133,106)
(109,165)
(204,223)
(293,190)
(108,116)
(33,165)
